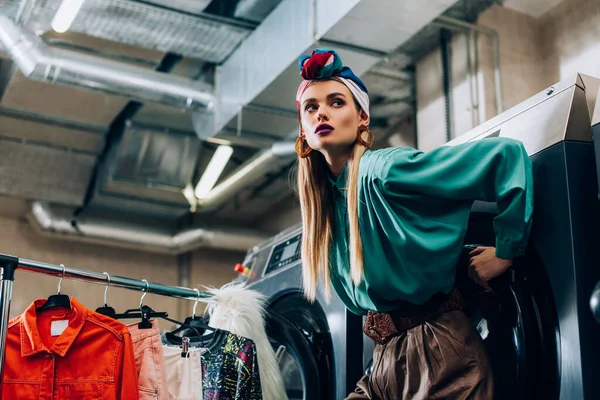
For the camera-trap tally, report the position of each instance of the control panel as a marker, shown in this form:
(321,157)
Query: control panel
(284,254)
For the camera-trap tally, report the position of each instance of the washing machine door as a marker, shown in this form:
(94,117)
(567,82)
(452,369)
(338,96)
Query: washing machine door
(299,335)
(517,320)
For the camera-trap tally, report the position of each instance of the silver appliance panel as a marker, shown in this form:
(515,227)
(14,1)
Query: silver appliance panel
(561,112)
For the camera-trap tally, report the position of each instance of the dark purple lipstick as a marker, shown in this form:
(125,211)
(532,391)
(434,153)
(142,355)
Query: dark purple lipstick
(323,129)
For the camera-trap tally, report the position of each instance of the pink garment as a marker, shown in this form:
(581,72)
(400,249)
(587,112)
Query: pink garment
(150,362)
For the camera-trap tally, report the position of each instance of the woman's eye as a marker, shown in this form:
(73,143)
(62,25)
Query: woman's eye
(310,107)
(337,103)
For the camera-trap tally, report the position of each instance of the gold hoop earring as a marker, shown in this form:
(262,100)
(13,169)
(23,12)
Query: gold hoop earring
(300,147)
(369,142)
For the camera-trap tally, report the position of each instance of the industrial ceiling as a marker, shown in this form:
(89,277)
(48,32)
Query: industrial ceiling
(105,129)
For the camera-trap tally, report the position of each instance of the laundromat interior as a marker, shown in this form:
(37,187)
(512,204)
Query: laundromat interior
(150,220)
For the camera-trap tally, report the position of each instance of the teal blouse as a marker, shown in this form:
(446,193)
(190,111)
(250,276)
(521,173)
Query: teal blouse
(413,214)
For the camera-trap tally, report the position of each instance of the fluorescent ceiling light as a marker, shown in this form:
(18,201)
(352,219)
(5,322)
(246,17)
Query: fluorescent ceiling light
(213,171)
(65,15)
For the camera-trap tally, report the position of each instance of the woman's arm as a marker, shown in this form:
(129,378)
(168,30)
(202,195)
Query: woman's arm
(492,169)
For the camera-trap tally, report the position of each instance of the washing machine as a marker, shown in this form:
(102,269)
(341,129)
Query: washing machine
(319,346)
(539,331)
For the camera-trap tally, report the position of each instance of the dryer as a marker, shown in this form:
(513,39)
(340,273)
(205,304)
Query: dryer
(319,345)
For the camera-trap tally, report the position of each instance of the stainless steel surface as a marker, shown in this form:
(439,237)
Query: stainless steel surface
(127,235)
(5,298)
(271,159)
(335,311)
(294,28)
(596,113)
(542,120)
(38,61)
(290,277)
(595,302)
(152,26)
(115,281)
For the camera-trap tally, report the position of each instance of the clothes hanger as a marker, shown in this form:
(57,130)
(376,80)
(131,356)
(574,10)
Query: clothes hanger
(191,325)
(57,300)
(146,313)
(106,309)
(197,322)
(143,312)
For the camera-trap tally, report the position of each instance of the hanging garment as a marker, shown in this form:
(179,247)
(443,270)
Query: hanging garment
(184,374)
(229,365)
(239,310)
(71,354)
(150,362)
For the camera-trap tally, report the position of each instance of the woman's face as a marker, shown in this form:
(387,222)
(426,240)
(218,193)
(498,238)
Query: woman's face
(330,118)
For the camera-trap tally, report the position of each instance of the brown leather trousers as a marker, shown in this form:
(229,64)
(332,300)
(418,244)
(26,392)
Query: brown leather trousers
(431,351)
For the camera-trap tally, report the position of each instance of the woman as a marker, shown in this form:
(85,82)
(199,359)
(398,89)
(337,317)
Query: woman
(385,228)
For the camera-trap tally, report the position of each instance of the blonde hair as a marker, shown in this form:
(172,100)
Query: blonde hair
(317,208)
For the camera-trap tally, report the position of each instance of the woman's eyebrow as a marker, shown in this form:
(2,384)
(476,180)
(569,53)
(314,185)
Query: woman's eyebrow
(329,96)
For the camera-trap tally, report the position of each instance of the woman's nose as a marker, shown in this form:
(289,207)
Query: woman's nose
(322,115)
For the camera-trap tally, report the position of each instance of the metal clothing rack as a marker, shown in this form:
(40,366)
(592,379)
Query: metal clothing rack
(9,264)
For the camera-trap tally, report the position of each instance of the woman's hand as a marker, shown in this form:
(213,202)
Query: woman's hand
(485,266)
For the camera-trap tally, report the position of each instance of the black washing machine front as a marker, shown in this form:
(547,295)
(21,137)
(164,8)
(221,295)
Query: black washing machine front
(517,320)
(298,332)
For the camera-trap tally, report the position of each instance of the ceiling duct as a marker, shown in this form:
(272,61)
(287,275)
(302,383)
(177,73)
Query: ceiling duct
(121,234)
(146,171)
(275,157)
(263,71)
(176,26)
(38,61)
(254,10)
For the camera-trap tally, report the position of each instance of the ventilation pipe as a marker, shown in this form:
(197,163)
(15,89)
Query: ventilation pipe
(120,234)
(40,62)
(275,157)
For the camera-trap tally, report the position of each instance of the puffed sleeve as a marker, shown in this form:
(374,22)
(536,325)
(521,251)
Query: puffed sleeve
(492,169)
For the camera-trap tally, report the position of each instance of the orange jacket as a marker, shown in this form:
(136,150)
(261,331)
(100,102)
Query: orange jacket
(91,359)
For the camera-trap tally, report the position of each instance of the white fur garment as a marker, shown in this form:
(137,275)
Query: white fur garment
(240,311)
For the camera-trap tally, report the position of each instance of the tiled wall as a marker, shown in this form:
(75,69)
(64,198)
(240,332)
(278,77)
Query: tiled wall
(571,38)
(521,58)
(534,54)
(20,239)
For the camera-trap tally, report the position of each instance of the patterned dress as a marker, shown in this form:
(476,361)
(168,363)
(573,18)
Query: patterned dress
(229,366)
